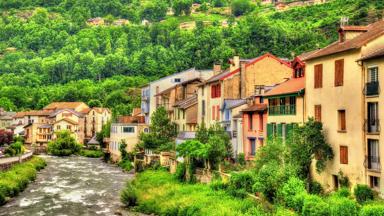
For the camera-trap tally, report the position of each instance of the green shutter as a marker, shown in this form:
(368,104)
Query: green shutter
(279,130)
(269,131)
(289,129)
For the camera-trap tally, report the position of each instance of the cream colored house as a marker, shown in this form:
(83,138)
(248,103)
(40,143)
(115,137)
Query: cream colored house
(6,118)
(372,68)
(150,102)
(127,129)
(334,95)
(67,119)
(95,118)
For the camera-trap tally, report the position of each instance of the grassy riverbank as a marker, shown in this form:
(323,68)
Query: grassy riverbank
(160,193)
(91,153)
(16,179)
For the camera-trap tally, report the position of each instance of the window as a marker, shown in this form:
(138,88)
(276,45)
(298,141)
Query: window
(202,91)
(342,121)
(318,76)
(213,113)
(318,113)
(128,130)
(146,130)
(58,127)
(261,122)
(216,90)
(218,113)
(335,181)
(183,114)
(373,74)
(374,182)
(373,154)
(299,72)
(203,107)
(344,154)
(339,72)
(69,127)
(372,122)
(227,114)
(177,80)
(253,146)
(259,89)
(250,121)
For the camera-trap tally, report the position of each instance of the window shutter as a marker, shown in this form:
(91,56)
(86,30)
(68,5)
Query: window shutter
(318,113)
(213,113)
(343,154)
(250,121)
(218,112)
(318,76)
(261,122)
(342,120)
(212,91)
(279,130)
(218,90)
(269,131)
(339,72)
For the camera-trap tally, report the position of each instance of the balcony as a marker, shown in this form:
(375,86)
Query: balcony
(372,126)
(373,163)
(282,110)
(371,88)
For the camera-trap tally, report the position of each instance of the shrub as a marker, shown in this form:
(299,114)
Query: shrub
(342,206)
(218,185)
(240,184)
(91,153)
(240,7)
(315,206)
(241,159)
(315,188)
(343,180)
(372,210)
(343,192)
(128,195)
(64,145)
(289,190)
(180,172)
(126,165)
(363,193)
(14,149)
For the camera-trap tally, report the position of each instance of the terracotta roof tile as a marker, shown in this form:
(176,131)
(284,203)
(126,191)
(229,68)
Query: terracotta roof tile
(374,30)
(188,102)
(255,108)
(291,86)
(63,105)
(131,119)
(67,120)
(378,52)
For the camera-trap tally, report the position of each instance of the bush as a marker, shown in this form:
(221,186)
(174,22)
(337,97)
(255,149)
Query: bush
(240,7)
(17,178)
(315,206)
(128,195)
(342,206)
(126,165)
(180,172)
(289,190)
(240,184)
(363,193)
(372,210)
(218,185)
(91,153)
(14,149)
(343,192)
(315,188)
(241,159)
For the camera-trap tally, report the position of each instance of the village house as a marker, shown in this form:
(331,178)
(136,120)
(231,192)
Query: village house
(6,118)
(95,118)
(334,89)
(34,122)
(150,97)
(97,21)
(126,129)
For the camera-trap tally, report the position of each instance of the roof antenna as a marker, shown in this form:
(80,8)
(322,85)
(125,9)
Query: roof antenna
(344,21)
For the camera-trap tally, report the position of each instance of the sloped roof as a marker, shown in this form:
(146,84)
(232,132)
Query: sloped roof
(291,86)
(67,120)
(93,141)
(255,108)
(178,84)
(233,103)
(136,111)
(19,115)
(45,126)
(33,113)
(378,52)
(188,102)
(53,114)
(374,30)
(130,119)
(63,105)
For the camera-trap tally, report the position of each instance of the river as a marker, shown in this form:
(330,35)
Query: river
(72,186)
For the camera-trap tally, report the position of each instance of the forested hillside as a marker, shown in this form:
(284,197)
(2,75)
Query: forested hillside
(50,53)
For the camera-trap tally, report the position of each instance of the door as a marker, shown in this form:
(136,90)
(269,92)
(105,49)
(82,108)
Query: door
(373,121)
(253,146)
(373,154)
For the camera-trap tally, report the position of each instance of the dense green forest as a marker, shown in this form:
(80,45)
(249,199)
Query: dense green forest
(48,52)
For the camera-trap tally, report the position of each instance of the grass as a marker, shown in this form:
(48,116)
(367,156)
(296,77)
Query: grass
(16,179)
(126,165)
(158,192)
(91,153)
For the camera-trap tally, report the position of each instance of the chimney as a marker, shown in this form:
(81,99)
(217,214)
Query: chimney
(216,69)
(242,80)
(235,63)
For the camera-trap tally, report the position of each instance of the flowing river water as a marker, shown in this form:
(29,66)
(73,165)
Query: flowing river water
(72,186)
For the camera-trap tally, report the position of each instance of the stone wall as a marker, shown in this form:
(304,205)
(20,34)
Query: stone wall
(7,162)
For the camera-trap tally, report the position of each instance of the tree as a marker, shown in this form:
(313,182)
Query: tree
(104,133)
(182,6)
(162,132)
(240,7)
(7,104)
(6,137)
(64,145)
(155,10)
(306,143)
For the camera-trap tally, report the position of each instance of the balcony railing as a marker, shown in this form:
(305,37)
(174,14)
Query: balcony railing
(373,163)
(372,88)
(372,125)
(282,110)
(234,134)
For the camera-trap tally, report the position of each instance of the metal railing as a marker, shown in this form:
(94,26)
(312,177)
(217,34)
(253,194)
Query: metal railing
(282,110)
(372,125)
(371,88)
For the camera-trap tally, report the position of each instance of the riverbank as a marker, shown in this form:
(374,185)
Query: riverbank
(158,192)
(72,185)
(16,179)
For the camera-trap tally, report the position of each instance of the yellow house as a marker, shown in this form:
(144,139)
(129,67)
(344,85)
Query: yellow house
(95,118)
(67,119)
(186,114)
(372,67)
(127,129)
(334,92)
